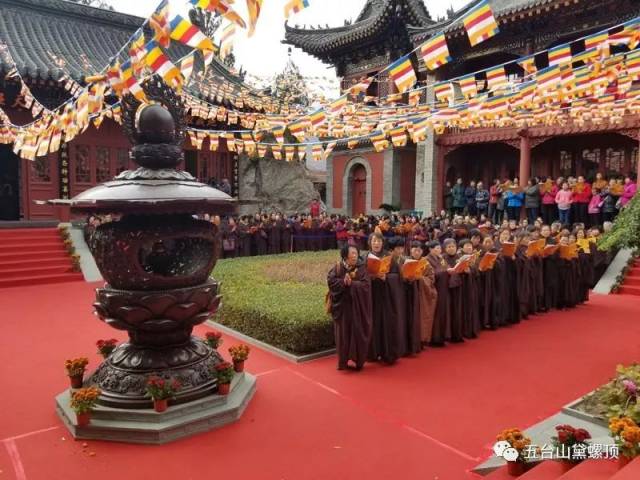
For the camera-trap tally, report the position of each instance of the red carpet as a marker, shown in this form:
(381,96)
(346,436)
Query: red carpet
(433,416)
(33,256)
(631,283)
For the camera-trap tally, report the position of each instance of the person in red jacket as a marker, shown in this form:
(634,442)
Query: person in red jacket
(581,199)
(314,208)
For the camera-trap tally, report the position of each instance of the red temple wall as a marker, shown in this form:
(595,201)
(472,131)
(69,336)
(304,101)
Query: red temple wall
(376,162)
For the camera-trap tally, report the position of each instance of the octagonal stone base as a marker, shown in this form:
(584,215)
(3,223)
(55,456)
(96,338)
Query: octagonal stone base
(148,426)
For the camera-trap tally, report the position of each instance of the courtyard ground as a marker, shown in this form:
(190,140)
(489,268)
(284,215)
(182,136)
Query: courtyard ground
(434,416)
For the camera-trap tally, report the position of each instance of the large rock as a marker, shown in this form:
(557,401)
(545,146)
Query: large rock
(273,185)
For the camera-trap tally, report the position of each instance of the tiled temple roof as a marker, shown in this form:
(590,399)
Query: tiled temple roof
(500,8)
(50,38)
(373,19)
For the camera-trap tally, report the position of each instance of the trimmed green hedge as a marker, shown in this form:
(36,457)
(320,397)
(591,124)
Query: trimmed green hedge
(278,299)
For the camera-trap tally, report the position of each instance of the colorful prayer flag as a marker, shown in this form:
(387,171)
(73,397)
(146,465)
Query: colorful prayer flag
(548,78)
(328,150)
(468,85)
(294,6)
(186,32)
(137,51)
(361,87)
(398,137)
(160,64)
(559,55)
(130,84)
(253,8)
(480,23)
(186,66)
(159,22)
(435,52)
(496,78)
(585,56)
(317,118)
(443,91)
(528,64)
(402,73)
(114,75)
(226,39)
(336,106)
(222,7)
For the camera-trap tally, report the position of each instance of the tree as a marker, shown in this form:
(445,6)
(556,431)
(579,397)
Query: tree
(626,229)
(94,3)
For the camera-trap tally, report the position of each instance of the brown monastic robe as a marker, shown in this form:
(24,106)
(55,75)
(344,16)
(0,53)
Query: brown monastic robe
(441,320)
(351,312)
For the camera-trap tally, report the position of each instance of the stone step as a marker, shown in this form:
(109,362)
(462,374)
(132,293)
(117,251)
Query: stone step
(546,470)
(592,469)
(148,426)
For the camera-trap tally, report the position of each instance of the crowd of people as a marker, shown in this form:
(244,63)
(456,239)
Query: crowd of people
(568,200)
(382,314)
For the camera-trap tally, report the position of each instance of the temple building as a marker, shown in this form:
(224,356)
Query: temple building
(413,177)
(51,46)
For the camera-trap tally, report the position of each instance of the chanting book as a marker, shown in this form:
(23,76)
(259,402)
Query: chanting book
(462,265)
(508,249)
(414,269)
(567,252)
(549,250)
(377,265)
(535,248)
(487,261)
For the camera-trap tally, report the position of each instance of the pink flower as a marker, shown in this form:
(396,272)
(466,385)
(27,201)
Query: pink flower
(630,387)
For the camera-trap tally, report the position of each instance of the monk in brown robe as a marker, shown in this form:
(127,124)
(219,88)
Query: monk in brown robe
(384,329)
(470,293)
(485,286)
(396,297)
(420,304)
(456,306)
(441,320)
(350,301)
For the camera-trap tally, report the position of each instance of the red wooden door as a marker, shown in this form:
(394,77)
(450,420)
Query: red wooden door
(359,190)
(41,176)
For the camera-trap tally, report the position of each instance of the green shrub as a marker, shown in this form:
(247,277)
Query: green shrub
(278,299)
(615,398)
(626,228)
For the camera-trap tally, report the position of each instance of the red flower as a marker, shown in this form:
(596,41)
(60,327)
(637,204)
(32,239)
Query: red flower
(562,436)
(582,435)
(213,335)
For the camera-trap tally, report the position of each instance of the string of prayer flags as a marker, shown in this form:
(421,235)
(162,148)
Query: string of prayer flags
(435,52)
(294,6)
(186,32)
(402,73)
(480,23)
(159,22)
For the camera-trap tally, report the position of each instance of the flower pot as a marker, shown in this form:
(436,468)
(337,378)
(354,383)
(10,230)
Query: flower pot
(515,469)
(238,366)
(223,388)
(160,405)
(623,460)
(567,465)
(83,419)
(76,381)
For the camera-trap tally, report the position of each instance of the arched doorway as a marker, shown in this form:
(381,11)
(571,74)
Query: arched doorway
(358,190)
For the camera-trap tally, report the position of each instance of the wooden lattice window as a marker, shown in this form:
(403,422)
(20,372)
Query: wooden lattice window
(41,169)
(122,160)
(614,160)
(566,163)
(103,165)
(82,164)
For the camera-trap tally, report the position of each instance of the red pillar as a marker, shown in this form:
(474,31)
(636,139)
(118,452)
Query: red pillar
(440,168)
(525,160)
(638,163)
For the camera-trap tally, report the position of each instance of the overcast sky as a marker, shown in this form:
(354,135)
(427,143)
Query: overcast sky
(263,54)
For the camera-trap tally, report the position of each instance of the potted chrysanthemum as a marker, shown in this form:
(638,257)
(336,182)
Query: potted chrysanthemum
(518,444)
(83,401)
(225,373)
(213,339)
(572,443)
(75,370)
(160,391)
(239,354)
